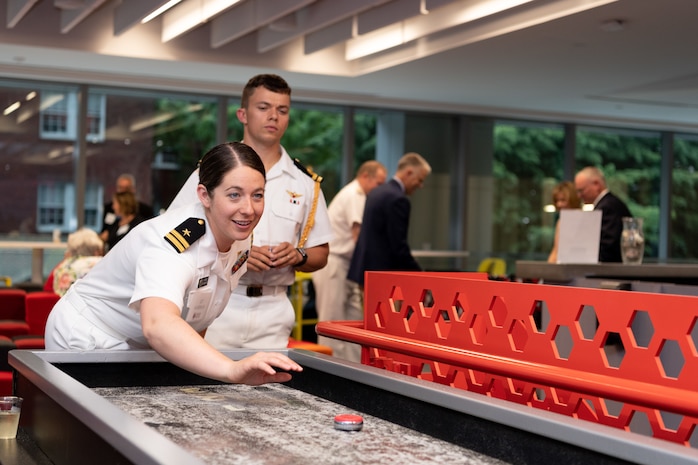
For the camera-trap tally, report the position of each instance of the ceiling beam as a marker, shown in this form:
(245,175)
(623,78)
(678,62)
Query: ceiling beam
(249,16)
(320,14)
(16,9)
(71,18)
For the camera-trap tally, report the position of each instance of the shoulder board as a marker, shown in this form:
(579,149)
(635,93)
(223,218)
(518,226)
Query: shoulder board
(184,235)
(315,177)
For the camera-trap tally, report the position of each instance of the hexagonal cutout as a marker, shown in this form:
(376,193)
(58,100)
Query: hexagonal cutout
(641,328)
(670,421)
(378,316)
(613,350)
(611,408)
(458,309)
(518,335)
(443,324)
(640,424)
(410,320)
(498,311)
(427,298)
(693,337)
(671,360)
(540,316)
(477,329)
(586,322)
(562,342)
(396,299)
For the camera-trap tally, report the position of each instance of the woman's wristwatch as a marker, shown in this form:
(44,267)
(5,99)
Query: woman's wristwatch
(304,257)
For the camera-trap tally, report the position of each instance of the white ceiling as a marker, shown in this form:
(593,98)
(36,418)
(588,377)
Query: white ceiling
(644,75)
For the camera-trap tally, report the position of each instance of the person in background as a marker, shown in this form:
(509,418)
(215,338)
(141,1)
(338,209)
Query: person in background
(124,183)
(172,276)
(337,298)
(564,196)
(84,250)
(125,207)
(590,183)
(382,243)
(293,233)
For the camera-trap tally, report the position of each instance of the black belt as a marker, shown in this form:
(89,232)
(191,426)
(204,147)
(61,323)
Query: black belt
(259,290)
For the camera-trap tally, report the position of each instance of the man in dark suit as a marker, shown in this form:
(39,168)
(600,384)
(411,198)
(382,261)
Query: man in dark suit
(382,243)
(591,186)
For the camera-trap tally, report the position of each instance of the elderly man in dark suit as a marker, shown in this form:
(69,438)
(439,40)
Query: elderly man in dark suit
(382,243)
(591,187)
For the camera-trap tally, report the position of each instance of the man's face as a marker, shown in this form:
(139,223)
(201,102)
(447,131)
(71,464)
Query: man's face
(124,185)
(415,179)
(376,180)
(266,116)
(587,189)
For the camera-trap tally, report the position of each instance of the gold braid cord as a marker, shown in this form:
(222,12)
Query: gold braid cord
(313,208)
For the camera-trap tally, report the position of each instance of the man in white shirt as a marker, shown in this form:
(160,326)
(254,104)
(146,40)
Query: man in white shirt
(336,298)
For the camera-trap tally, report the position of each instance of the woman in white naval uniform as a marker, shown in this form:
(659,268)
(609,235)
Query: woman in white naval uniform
(171,276)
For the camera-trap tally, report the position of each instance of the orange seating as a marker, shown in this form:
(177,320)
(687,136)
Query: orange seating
(296,344)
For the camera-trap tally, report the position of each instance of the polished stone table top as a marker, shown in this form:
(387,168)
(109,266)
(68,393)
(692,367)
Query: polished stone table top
(275,424)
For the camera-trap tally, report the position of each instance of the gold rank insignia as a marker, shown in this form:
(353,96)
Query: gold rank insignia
(184,235)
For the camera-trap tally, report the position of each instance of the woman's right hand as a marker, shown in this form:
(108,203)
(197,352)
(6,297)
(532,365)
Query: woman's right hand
(263,367)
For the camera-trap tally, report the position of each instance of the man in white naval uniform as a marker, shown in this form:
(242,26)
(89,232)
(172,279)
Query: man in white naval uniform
(293,233)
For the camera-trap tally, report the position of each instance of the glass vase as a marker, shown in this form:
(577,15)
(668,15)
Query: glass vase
(632,241)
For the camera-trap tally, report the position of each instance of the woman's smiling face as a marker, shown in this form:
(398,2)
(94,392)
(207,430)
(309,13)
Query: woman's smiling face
(234,208)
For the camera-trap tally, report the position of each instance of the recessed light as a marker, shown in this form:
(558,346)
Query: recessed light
(613,25)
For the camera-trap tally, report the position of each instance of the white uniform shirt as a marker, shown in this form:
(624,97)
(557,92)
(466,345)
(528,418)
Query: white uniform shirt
(346,208)
(288,199)
(143,264)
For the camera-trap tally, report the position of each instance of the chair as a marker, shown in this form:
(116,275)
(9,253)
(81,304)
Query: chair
(38,306)
(6,345)
(12,312)
(493,266)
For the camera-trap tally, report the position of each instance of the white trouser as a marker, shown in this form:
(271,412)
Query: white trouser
(71,326)
(263,322)
(337,298)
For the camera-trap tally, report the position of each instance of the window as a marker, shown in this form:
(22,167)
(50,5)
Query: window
(59,111)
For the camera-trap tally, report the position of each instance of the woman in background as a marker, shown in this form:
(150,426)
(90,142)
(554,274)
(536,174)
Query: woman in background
(85,249)
(564,196)
(127,217)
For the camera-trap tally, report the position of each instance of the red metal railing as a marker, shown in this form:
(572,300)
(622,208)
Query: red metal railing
(549,347)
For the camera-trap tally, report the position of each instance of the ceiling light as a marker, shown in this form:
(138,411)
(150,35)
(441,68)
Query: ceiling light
(160,11)
(11,108)
(188,15)
(613,25)
(411,29)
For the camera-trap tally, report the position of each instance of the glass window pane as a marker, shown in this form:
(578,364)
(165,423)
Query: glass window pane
(684,199)
(631,163)
(156,137)
(528,162)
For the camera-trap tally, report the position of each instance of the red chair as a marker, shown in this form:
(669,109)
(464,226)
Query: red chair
(12,312)
(6,345)
(37,307)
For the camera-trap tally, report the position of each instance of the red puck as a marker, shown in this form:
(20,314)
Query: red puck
(348,422)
